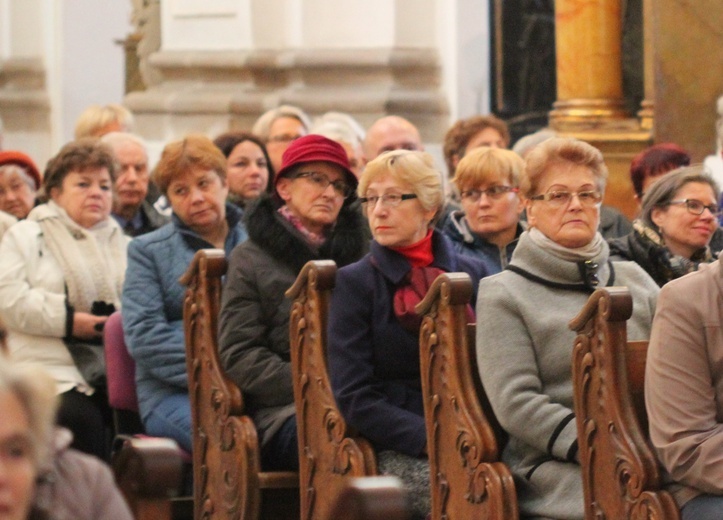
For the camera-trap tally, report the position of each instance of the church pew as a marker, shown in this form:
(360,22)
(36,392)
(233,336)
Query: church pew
(149,472)
(227,479)
(329,453)
(463,437)
(370,498)
(621,475)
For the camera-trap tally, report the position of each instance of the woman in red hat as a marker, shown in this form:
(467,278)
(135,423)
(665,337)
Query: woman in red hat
(310,216)
(19,182)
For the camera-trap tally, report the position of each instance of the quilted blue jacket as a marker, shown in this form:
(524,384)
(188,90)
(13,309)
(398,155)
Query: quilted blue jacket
(153,305)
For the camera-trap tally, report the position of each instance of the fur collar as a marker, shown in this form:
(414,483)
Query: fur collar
(347,242)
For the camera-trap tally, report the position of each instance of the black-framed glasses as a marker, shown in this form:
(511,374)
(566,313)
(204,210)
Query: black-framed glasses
(389,200)
(559,199)
(321,181)
(494,193)
(696,207)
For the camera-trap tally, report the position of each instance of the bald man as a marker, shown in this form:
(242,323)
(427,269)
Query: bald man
(390,133)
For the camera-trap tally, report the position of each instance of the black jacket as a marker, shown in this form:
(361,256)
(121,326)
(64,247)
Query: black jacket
(254,319)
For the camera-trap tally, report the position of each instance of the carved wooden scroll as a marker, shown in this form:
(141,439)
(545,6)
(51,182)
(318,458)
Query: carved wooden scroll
(328,453)
(228,481)
(621,477)
(468,481)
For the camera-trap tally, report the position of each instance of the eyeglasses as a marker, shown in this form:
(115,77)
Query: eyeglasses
(494,193)
(696,207)
(558,199)
(282,138)
(389,200)
(321,181)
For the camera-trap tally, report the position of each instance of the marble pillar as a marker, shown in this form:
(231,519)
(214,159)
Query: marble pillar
(688,39)
(589,66)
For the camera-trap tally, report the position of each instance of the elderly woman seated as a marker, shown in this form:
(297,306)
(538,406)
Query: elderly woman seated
(61,274)
(488,181)
(20,181)
(523,341)
(192,175)
(678,219)
(373,344)
(311,216)
(35,459)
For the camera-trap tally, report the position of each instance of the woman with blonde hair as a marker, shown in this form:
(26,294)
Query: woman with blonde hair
(488,226)
(98,120)
(523,341)
(373,340)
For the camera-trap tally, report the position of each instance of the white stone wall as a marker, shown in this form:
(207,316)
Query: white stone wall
(214,65)
(57,57)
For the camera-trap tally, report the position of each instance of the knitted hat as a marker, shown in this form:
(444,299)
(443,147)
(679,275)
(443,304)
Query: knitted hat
(24,161)
(311,148)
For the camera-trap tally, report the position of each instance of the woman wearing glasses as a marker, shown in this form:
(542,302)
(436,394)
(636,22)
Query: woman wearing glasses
(488,180)
(311,216)
(524,345)
(677,221)
(373,341)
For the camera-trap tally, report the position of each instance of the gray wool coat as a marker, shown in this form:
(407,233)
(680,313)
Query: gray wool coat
(524,352)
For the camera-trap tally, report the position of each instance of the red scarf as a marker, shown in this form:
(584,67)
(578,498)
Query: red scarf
(417,282)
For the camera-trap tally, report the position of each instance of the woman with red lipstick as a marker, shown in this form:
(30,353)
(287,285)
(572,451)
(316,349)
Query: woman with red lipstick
(524,345)
(678,218)
(61,270)
(373,344)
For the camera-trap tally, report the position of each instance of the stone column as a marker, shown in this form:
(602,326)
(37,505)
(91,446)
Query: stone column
(647,106)
(589,66)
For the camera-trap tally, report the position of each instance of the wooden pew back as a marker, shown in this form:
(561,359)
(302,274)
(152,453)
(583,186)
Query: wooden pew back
(621,476)
(228,482)
(463,438)
(328,453)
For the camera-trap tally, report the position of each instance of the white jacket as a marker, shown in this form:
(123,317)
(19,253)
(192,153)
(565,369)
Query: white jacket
(32,304)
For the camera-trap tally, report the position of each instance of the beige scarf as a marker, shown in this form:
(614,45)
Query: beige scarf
(93,260)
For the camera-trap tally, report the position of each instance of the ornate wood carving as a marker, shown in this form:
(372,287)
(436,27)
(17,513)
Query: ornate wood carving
(226,460)
(468,481)
(621,478)
(328,454)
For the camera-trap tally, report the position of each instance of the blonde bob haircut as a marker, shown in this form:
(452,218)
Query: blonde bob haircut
(95,119)
(413,168)
(558,151)
(485,164)
(35,390)
(194,152)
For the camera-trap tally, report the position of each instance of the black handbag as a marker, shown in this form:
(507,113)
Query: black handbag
(89,355)
(89,358)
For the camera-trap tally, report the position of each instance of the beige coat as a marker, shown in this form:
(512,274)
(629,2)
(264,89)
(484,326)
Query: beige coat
(684,382)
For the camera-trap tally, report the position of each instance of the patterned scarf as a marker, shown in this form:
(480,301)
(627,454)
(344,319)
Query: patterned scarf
(315,239)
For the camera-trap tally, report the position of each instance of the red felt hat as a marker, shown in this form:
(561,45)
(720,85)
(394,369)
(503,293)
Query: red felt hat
(311,148)
(24,161)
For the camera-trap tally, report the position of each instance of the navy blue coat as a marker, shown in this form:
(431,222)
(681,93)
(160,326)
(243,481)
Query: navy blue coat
(373,360)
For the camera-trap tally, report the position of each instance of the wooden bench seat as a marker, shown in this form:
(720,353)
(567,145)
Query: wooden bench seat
(621,475)
(463,437)
(329,452)
(228,482)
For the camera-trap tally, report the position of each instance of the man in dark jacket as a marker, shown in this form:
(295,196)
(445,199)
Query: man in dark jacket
(134,213)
